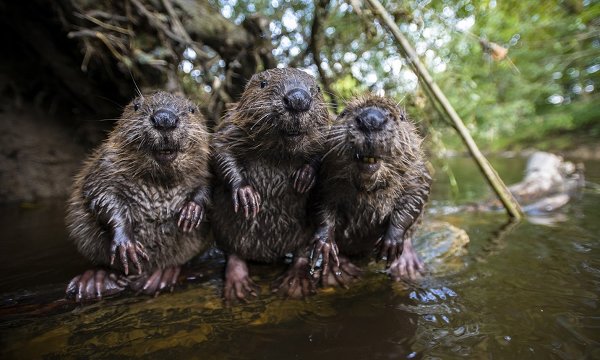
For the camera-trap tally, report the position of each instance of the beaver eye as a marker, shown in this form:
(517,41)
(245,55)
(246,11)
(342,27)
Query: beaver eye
(263,84)
(136,107)
(318,88)
(192,110)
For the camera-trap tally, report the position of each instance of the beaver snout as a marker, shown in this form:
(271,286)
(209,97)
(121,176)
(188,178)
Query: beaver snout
(164,120)
(297,100)
(371,119)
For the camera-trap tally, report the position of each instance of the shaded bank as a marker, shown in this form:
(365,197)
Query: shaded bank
(70,66)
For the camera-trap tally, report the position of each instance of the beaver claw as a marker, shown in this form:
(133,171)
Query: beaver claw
(238,284)
(324,249)
(127,250)
(95,284)
(191,216)
(304,178)
(407,266)
(160,280)
(249,199)
(342,275)
(389,249)
(295,282)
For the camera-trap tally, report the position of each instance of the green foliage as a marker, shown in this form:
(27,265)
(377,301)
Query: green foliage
(556,50)
(547,83)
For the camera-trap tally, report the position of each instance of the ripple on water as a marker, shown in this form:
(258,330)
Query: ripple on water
(529,291)
(442,325)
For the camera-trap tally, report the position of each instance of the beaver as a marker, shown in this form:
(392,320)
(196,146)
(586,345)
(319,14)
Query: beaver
(374,184)
(140,198)
(267,152)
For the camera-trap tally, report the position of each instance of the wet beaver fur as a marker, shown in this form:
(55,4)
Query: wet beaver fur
(374,184)
(139,199)
(267,152)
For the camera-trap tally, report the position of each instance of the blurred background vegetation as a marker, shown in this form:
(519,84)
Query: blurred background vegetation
(539,77)
(520,73)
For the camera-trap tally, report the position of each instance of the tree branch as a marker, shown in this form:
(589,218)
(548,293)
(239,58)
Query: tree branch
(317,43)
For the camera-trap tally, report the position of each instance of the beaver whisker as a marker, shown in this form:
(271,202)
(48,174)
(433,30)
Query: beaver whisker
(334,149)
(336,135)
(339,148)
(259,106)
(130,140)
(260,121)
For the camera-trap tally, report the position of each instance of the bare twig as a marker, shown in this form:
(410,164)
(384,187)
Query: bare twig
(105,40)
(179,29)
(105,25)
(156,22)
(105,15)
(511,205)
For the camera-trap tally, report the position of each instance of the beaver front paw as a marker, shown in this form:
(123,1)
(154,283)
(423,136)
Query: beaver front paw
(191,216)
(127,251)
(324,249)
(389,249)
(95,284)
(249,200)
(296,282)
(407,266)
(304,178)
(341,275)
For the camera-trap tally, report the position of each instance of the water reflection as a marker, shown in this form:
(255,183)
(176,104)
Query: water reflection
(516,291)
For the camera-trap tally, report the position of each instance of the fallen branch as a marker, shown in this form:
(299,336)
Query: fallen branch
(508,201)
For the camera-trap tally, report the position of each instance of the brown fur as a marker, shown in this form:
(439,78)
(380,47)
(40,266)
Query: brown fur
(123,179)
(252,148)
(363,207)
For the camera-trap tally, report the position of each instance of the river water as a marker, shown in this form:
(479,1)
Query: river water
(527,290)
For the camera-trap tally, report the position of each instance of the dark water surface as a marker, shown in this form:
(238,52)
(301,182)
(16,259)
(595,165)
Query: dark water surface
(529,290)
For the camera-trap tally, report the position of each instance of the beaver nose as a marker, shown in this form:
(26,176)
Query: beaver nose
(164,120)
(371,119)
(297,99)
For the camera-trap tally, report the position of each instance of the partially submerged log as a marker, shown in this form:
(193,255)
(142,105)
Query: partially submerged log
(505,197)
(548,184)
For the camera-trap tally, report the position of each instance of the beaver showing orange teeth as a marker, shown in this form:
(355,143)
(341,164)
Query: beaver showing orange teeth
(368,164)
(376,203)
